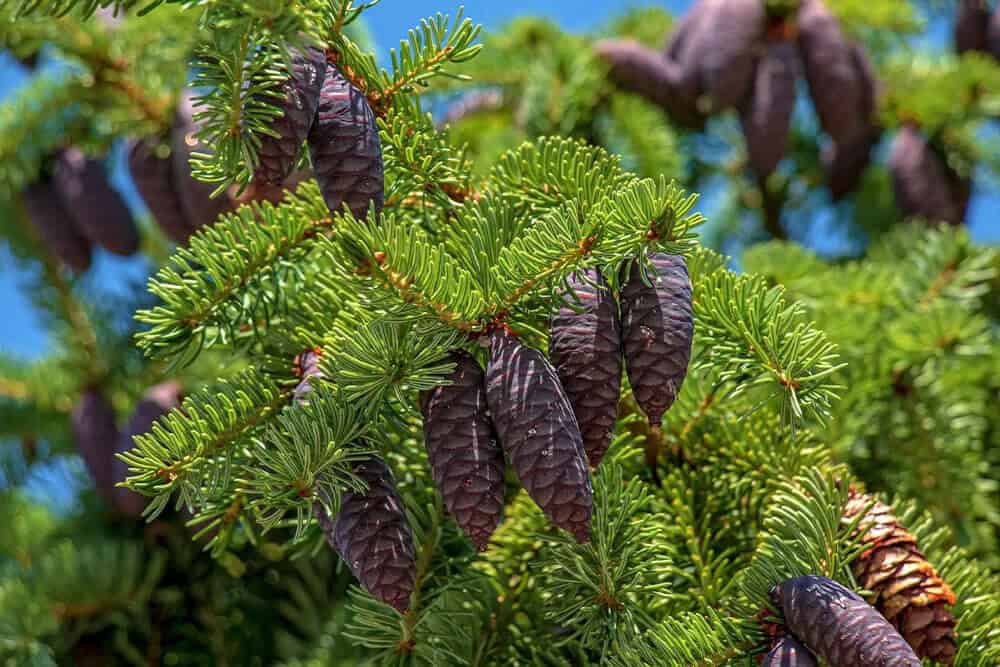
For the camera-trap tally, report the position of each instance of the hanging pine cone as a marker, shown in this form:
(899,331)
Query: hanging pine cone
(158,401)
(766,115)
(717,53)
(463,450)
(199,207)
(684,29)
(307,366)
(641,70)
(847,160)
(96,209)
(154,179)
(300,91)
(923,184)
(537,429)
(993,34)
(971,23)
(96,436)
(838,626)
(585,347)
(55,229)
(372,536)
(345,148)
(834,82)
(906,587)
(657,331)
(789,652)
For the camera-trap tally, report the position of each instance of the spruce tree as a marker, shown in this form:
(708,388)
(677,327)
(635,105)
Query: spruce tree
(346,358)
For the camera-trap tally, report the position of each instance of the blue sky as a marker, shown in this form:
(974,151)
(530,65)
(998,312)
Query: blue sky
(23,334)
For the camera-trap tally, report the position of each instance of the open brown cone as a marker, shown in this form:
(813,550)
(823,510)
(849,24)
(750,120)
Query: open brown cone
(907,589)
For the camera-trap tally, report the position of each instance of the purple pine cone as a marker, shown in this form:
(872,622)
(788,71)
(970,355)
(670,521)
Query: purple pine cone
(840,627)
(641,70)
(97,210)
(970,25)
(463,450)
(585,347)
(55,228)
(301,97)
(538,430)
(788,652)
(924,185)
(846,161)
(766,115)
(96,435)
(199,207)
(685,28)
(717,48)
(657,331)
(993,34)
(345,147)
(835,85)
(372,536)
(154,179)
(158,401)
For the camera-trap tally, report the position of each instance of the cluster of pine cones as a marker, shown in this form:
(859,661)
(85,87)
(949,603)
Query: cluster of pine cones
(99,440)
(744,54)
(73,206)
(908,618)
(926,185)
(325,109)
(747,55)
(550,418)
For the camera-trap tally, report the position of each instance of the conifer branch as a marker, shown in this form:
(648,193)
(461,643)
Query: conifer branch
(422,161)
(113,71)
(553,170)
(602,590)
(229,271)
(403,259)
(763,341)
(191,449)
(423,56)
